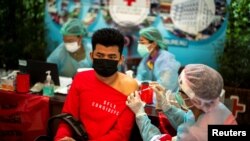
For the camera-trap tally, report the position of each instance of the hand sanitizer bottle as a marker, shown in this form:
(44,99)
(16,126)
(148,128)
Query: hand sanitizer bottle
(48,88)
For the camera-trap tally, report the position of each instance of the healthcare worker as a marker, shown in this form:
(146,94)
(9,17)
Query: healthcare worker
(157,63)
(199,90)
(74,52)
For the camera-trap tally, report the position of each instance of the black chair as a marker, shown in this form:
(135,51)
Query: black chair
(79,133)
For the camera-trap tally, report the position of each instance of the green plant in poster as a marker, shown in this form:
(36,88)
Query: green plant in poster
(22,31)
(234,63)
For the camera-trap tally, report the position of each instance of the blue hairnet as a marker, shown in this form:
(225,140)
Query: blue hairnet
(74,27)
(201,81)
(153,34)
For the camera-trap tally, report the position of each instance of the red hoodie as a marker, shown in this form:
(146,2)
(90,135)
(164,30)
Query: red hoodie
(99,107)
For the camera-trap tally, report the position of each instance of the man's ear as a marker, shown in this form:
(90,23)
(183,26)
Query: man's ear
(121,60)
(91,55)
(154,43)
(80,39)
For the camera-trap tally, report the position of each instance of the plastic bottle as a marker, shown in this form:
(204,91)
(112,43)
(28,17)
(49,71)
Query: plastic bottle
(48,87)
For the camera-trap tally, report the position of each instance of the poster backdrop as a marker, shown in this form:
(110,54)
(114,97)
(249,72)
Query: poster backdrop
(193,29)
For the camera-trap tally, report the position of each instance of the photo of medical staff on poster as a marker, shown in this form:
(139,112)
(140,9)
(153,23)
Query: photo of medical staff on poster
(184,24)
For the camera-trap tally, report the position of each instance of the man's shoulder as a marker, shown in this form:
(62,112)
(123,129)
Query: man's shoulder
(128,82)
(126,78)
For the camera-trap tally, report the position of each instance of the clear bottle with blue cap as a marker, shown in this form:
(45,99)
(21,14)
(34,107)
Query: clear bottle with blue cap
(48,87)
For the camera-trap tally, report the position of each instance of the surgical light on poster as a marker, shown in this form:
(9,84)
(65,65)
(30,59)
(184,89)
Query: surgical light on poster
(129,12)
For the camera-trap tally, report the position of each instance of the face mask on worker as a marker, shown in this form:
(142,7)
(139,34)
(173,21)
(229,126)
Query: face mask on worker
(105,67)
(143,50)
(72,47)
(182,102)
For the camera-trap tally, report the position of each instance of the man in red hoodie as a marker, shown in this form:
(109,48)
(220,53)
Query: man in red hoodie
(97,97)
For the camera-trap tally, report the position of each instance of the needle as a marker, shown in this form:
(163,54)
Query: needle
(144,90)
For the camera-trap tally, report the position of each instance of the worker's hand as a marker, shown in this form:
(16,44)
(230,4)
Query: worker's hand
(67,139)
(159,92)
(153,83)
(162,97)
(135,103)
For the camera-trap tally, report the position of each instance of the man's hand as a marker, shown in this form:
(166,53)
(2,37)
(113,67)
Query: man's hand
(67,139)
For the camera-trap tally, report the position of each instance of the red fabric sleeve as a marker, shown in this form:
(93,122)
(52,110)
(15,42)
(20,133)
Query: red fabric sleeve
(122,129)
(166,137)
(71,106)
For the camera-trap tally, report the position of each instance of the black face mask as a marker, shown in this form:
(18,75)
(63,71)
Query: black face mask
(105,67)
